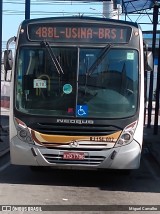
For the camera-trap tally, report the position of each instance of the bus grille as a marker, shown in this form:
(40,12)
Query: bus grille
(58,159)
(84,146)
(75,130)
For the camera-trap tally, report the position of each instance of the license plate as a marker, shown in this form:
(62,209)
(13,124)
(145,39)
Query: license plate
(73,155)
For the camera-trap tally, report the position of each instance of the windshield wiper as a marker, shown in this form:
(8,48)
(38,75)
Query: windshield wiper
(99,59)
(53,57)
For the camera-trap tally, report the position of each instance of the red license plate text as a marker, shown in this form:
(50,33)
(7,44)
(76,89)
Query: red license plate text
(73,155)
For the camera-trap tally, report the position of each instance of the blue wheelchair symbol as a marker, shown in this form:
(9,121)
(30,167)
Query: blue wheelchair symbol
(82,110)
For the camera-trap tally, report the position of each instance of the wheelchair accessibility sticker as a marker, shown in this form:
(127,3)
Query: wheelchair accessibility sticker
(82,110)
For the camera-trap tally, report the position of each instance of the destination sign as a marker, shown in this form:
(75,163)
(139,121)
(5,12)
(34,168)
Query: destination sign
(80,32)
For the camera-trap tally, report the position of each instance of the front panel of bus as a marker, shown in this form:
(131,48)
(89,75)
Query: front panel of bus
(77,87)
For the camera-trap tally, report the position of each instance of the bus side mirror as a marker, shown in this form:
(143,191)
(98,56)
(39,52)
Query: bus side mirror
(8,62)
(149,61)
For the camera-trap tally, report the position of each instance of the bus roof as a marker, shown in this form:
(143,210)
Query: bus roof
(78,18)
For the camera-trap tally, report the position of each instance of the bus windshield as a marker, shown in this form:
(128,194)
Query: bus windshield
(75,83)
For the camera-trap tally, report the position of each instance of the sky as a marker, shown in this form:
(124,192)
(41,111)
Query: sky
(14,13)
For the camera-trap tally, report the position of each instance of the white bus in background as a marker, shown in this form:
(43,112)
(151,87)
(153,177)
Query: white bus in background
(6,78)
(5,90)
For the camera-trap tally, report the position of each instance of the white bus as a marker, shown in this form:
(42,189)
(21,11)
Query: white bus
(5,90)
(77,93)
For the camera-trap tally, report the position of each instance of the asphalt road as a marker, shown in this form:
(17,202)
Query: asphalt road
(21,186)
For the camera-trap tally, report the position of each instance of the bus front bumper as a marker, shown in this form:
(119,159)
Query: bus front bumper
(124,157)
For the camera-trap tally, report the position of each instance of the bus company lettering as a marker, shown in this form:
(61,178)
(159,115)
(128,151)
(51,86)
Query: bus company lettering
(81,33)
(102,139)
(72,121)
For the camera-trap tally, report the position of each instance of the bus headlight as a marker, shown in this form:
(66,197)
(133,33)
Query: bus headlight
(23,131)
(127,135)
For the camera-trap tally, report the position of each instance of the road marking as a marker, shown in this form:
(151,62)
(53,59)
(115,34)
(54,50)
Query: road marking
(5,166)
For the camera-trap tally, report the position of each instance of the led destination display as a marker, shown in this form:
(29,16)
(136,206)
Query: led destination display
(79,33)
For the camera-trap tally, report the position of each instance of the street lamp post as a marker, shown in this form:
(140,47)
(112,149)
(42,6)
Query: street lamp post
(27,9)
